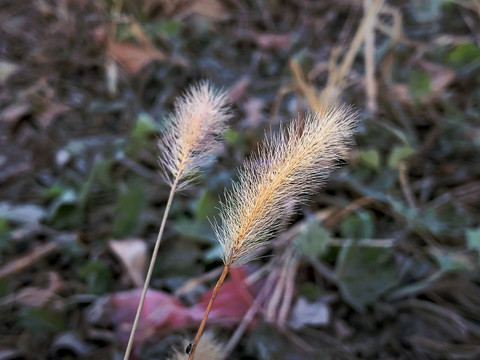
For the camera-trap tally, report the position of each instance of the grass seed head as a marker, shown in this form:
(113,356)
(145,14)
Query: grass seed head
(284,174)
(209,348)
(193,135)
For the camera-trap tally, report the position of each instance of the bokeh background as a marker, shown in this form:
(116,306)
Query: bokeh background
(383,263)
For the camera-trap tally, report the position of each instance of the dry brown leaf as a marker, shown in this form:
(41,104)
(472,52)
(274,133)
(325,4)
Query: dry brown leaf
(440,78)
(237,91)
(210,8)
(253,112)
(27,260)
(132,253)
(133,57)
(50,112)
(15,111)
(140,35)
(272,41)
(7,69)
(35,296)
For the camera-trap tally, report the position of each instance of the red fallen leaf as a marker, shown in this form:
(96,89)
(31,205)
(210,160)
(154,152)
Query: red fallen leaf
(231,304)
(163,313)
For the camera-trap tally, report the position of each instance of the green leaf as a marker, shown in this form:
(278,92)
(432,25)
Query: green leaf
(304,60)
(370,158)
(465,55)
(473,239)
(265,342)
(54,191)
(42,320)
(426,11)
(419,84)
(309,290)
(103,173)
(443,220)
(313,240)
(97,276)
(399,154)
(358,225)
(179,259)
(231,136)
(144,126)
(65,211)
(4,235)
(3,287)
(128,210)
(450,261)
(364,274)
(206,205)
(383,181)
(199,230)
(170,27)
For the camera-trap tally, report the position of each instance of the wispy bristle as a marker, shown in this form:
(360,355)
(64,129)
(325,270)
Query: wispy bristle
(271,186)
(209,348)
(193,135)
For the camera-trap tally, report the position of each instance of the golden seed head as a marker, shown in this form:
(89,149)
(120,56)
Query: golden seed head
(192,138)
(284,174)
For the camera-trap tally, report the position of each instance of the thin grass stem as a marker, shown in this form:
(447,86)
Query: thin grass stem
(207,310)
(150,268)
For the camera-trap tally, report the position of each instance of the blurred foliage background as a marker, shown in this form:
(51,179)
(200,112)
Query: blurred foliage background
(382,263)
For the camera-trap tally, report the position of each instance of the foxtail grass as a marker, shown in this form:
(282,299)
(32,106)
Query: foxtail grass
(190,142)
(291,166)
(209,348)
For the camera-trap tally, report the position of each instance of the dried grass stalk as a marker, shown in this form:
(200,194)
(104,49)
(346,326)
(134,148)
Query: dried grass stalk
(190,143)
(286,172)
(193,135)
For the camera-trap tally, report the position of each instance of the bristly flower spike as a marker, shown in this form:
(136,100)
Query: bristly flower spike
(190,142)
(287,171)
(192,138)
(283,175)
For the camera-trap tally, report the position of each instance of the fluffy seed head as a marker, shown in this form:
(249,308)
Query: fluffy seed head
(209,348)
(289,168)
(192,138)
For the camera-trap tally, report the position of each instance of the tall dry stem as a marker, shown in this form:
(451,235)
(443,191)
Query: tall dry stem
(190,142)
(285,173)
